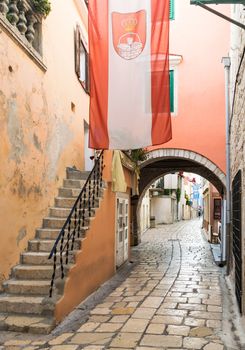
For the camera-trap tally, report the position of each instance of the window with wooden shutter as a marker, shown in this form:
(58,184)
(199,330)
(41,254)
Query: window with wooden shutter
(171,87)
(81,60)
(171,9)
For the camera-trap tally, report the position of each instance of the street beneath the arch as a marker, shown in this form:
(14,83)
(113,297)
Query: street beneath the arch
(174,297)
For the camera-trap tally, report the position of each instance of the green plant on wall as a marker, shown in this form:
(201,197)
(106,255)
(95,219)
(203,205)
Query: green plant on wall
(187,198)
(138,155)
(42,6)
(178,194)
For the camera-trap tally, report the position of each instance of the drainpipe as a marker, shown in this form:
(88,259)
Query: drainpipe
(226,243)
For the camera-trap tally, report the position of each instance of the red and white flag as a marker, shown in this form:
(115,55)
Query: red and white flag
(129,73)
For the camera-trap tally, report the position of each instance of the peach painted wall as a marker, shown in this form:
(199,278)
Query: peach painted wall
(95,263)
(202,39)
(40,134)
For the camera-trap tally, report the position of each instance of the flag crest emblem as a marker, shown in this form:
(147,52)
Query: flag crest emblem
(129,33)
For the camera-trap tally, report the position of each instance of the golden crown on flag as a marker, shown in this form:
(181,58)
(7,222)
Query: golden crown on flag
(129,24)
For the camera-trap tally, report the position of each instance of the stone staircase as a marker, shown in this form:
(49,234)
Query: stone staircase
(25,305)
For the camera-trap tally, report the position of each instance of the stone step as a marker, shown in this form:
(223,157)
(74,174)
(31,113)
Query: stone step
(69,192)
(75,174)
(73,184)
(26,304)
(64,212)
(26,324)
(62,202)
(36,287)
(65,192)
(37,245)
(49,233)
(78,184)
(41,258)
(34,272)
(58,223)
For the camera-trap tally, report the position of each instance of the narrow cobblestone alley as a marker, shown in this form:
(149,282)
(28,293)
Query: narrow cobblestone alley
(172,299)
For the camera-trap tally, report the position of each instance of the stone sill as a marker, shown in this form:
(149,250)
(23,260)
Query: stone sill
(22,42)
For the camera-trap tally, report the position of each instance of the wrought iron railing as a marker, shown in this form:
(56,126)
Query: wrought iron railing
(75,222)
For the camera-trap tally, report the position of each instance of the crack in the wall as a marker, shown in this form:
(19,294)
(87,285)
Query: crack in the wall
(15,132)
(37,143)
(21,235)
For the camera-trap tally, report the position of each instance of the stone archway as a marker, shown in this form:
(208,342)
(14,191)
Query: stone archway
(163,161)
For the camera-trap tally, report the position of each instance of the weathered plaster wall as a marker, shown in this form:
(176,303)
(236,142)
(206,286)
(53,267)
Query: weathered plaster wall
(40,134)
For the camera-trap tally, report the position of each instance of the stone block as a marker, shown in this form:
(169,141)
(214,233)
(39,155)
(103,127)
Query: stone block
(194,343)
(135,325)
(168,341)
(91,338)
(61,339)
(126,340)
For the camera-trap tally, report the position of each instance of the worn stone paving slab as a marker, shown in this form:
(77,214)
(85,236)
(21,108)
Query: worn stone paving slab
(126,340)
(168,341)
(170,299)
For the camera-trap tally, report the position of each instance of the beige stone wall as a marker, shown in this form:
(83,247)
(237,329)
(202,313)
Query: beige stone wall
(237,122)
(40,134)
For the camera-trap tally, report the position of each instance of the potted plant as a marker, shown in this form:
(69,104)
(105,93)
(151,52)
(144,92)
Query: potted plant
(137,156)
(43,7)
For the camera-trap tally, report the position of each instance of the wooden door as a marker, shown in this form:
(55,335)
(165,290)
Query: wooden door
(122,231)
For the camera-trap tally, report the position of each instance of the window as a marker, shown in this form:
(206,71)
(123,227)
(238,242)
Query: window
(217,209)
(171,9)
(171,92)
(81,60)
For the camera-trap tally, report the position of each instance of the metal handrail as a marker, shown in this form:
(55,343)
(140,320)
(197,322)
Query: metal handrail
(95,175)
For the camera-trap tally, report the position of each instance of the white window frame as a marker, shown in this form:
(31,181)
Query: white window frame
(174,61)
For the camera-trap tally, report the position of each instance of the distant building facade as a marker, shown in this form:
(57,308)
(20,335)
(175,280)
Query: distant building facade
(212,212)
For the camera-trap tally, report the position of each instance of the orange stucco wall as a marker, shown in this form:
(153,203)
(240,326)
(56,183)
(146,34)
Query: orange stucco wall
(95,263)
(40,134)
(202,39)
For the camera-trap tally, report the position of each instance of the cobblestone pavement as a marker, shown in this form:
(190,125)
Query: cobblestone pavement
(172,299)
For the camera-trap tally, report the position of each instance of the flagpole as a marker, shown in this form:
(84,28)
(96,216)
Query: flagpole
(225,243)
(217,13)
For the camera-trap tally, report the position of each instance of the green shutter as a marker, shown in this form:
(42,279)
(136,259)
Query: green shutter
(171,87)
(171,9)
